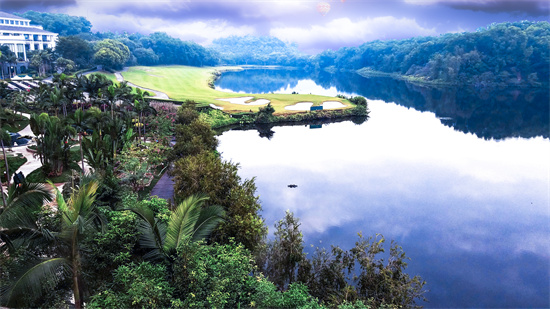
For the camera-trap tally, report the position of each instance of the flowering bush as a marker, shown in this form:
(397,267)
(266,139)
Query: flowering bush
(161,127)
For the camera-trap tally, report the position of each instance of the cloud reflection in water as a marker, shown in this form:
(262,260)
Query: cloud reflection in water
(468,211)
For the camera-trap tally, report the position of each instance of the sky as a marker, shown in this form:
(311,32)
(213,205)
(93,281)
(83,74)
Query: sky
(316,25)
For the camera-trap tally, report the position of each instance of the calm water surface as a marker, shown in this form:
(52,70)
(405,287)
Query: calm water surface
(462,184)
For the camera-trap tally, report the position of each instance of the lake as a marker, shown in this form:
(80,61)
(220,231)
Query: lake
(458,177)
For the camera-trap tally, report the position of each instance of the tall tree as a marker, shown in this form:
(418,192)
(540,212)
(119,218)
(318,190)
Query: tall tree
(286,252)
(111,53)
(80,217)
(74,48)
(41,59)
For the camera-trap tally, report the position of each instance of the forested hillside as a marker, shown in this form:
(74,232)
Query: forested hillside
(62,24)
(80,45)
(264,50)
(508,53)
(160,48)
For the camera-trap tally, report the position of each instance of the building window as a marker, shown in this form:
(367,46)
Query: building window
(21,52)
(17,22)
(26,36)
(36,46)
(11,22)
(45,46)
(1,21)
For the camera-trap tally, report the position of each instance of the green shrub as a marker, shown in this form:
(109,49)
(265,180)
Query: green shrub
(213,276)
(141,285)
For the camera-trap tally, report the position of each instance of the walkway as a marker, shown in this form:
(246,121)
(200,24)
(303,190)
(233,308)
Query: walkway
(158,94)
(32,162)
(164,188)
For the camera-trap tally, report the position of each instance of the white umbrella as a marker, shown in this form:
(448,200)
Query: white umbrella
(27,77)
(16,78)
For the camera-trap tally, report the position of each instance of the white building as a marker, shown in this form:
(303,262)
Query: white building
(17,33)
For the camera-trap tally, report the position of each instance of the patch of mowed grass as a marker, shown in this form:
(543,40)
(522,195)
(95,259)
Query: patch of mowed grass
(193,83)
(110,76)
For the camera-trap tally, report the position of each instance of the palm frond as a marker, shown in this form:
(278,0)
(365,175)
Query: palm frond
(22,202)
(31,282)
(182,221)
(209,218)
(152,232)
(82,200)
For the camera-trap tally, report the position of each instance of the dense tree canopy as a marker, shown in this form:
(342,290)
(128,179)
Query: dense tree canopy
(74,48)
(62,24)
(258,50)
(111,53)
(507,53)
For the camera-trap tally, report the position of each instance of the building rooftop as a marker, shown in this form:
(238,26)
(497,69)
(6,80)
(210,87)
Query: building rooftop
(8,15)
(24,29)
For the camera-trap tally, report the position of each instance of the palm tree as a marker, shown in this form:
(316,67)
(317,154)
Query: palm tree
(79,218)
(70,90)
(92,85)
(41,59)
(52,135)
(142,106)
(80,127)
(21,203)
(2,64)
(12,60)
(190,221)
(118,94)
(4,136)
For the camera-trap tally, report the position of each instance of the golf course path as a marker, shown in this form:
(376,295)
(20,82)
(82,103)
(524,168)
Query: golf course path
(158,94)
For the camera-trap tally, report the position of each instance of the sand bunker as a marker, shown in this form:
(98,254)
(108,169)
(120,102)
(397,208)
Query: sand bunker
(216,106)
(242,101)
(332,104)
(301,106)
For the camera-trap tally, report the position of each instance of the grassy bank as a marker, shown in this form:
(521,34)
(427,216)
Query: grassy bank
(193,83)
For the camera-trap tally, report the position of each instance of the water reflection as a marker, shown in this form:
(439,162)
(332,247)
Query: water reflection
(472,213)
(468,200)
(487,113)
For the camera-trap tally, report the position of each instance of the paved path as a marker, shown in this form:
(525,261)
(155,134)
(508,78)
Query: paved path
(164,188)
(32,162)
(158,94)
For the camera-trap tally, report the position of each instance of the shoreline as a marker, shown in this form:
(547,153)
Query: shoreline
(366,73)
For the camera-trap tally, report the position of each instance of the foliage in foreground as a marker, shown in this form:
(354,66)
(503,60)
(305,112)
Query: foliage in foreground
(337,276)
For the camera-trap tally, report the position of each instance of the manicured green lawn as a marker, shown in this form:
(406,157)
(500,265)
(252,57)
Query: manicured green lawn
(192,83)
(14,162)
(16,123)
(110,76)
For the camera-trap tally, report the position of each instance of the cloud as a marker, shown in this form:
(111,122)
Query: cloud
(199,31)
(235,12)
(204,32)
(533,8)
(24,5)
(345,32)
